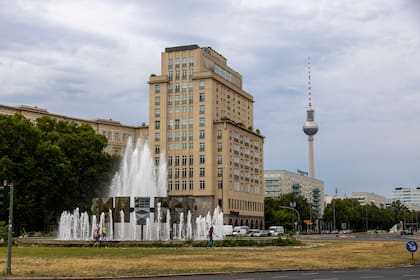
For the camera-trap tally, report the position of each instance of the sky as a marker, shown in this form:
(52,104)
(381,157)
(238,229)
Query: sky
(92,59)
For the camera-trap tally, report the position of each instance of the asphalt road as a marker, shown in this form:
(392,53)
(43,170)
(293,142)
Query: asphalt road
(410,272)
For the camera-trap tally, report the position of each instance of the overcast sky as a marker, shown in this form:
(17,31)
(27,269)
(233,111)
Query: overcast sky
(92,59)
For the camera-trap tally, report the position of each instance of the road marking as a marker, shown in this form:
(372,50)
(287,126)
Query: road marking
(310,273)
(325,279)
(279,276)
(372,277)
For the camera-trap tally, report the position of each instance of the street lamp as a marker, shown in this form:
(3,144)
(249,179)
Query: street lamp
(292,208)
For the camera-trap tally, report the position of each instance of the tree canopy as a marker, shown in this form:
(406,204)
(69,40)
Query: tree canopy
(54,165)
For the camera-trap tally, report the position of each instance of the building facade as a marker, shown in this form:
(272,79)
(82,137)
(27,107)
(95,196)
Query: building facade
(279,182)
(410,197)
(203,120)
(366,198)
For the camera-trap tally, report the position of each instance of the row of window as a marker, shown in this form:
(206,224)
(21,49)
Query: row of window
(176,185)
(184,172)
(184,160)
(180,74)
(245,205)
(181,87)
(118,136)
(180,61)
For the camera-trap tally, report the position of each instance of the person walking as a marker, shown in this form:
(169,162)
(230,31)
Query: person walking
(96,237)
(104,233)
(210,236)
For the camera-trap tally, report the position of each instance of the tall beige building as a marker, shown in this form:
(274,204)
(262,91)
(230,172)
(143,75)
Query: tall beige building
(202,119)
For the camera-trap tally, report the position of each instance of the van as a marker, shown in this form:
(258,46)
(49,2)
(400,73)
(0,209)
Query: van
(276,230)
(240,230)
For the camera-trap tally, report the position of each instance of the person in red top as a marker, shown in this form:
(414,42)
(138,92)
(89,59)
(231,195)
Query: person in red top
(210,236)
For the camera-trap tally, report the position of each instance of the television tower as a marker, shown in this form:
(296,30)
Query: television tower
(310,127)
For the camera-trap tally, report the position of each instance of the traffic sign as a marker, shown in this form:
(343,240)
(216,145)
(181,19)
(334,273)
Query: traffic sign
(411,246)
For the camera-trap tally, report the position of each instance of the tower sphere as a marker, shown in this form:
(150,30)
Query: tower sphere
(310,128)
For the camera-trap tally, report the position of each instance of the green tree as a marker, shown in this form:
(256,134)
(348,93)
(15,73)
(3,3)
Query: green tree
(54,165)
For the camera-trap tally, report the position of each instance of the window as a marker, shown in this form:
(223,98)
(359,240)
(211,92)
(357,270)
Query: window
(177,124)
(177,75)
(184,62)
(190,98)
(184,87)
(190,73)
(219,134)
(190,135)
(157,124)
(176,62)
(202,134)
(190,86)
(202,121)
(202,109)
(191,186)
(202,159)
(202,172)
(184,172)
(170,160)
(219,147)
(170,136)
(157,137)
(157,100)
(176,136)
(191,172)
(176,173)
(177,99)
(184,99)
(170,98)
(184,135)
(170,88)
(157,88)
(169,172)
(202,184)
(157,112)
(176,87)
(184,160)
(157,149)
(170,63)
(220,184)
(201,85)
(184,74)
(202,147)
(170,186)
(191,160)
(190,123)
(219,159)
(184,185)
(184,123)
(219,172)
(177,185)
(156,161)
(191,61)
(202,96)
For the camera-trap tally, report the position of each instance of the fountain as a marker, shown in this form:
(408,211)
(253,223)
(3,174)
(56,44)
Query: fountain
(137,206)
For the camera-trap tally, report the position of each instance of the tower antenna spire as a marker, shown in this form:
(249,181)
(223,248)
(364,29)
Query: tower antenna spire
(309,83)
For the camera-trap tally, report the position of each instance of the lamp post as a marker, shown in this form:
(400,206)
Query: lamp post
(10,225)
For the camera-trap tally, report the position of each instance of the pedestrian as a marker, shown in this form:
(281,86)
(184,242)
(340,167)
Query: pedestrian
(210,236)
(104,233)
(96,237)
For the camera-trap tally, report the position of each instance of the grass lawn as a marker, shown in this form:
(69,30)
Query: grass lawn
(38,261)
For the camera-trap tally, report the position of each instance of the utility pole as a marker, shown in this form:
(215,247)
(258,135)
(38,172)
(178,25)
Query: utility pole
(10,225)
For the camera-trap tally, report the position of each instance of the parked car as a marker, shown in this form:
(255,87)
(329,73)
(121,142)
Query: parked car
(252,231)
(240,230)
(261,233)
(406,232)
(276,230)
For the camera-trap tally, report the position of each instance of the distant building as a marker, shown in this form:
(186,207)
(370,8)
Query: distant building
(116,133)
(410,197)
(366,198)
(279,182)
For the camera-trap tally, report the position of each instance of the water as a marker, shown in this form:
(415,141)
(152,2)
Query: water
(138,177)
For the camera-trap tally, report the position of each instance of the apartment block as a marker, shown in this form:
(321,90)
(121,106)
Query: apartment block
(202,119)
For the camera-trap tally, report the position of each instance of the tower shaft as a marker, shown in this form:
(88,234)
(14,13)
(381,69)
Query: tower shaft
(311,156)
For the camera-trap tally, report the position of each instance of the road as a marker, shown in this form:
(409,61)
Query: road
(410,272)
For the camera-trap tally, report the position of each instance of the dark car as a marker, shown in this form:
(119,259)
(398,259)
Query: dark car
(407,232)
